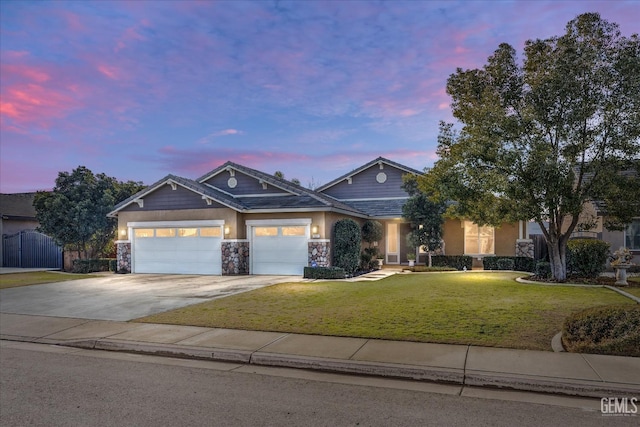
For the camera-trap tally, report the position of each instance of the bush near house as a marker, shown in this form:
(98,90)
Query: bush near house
(324,273)
(604,330)
(586,257)
(543,270)
(459,262)
(346,249)
(92,265)
(517,263)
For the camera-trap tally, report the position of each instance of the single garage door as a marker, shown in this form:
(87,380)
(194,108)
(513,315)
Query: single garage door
(279,249)
(177,250)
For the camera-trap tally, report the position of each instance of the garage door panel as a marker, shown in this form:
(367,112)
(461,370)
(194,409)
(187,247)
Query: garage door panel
(279,253)
(177,255)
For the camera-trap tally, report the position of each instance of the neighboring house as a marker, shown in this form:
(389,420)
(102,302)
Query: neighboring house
(594,213)
(237,220)
(21,245)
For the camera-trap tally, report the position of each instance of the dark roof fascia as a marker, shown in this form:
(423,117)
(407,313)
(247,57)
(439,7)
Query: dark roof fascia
(367,166)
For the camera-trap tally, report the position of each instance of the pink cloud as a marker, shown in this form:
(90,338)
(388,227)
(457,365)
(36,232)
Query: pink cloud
(108,71)
(212,136)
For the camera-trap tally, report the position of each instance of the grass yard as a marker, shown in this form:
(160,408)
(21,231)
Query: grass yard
(13,280)
(488,309)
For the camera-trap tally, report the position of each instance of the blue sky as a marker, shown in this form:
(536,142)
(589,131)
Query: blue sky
(140,89)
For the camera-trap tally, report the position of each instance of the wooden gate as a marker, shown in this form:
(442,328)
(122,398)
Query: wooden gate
(30,249)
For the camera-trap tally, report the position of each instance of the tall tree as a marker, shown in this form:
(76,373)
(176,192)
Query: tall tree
(542,138)
(75,212)
(425,216)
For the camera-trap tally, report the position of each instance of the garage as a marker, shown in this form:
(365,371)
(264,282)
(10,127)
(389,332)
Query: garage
(279,247)
(177,247)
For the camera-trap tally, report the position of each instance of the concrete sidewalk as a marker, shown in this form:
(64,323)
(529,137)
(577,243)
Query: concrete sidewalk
(565,373)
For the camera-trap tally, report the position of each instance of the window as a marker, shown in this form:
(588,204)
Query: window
(143,232)
(210,232)
(187,232)
(632,235)
(294,231)
(478,240)
(165,232)
(266,231)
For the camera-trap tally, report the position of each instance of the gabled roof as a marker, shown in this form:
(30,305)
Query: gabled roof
(272,180)
(196,187)
(299,198)
(367,166)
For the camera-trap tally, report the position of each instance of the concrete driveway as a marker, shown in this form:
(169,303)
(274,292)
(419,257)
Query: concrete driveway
(128,296)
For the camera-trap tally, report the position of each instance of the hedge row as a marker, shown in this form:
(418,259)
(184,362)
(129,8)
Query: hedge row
(459,262)
(93,265)
(324,273)
(517,263)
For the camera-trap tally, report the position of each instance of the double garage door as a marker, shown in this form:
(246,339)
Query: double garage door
(195,248)
(177,249)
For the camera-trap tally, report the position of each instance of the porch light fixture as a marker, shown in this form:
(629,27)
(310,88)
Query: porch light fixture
(123,232)
(227,230)
(315,231)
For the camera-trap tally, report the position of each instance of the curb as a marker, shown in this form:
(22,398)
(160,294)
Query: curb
(462,377)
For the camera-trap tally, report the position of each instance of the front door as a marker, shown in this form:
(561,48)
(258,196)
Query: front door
(393,244)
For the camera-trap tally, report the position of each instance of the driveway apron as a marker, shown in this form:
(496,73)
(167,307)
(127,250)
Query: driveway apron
(126,297)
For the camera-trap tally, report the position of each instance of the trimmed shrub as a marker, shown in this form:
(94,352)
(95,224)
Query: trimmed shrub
(520,263)
(586,257)
(613,329)
(346,249)
(324,273)
(113,265)
(459,262)
(371,231)
(506,264)
(543,269)
(84,266)
(425,269)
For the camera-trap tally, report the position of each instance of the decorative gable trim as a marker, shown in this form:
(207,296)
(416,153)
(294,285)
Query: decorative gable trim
(380,161)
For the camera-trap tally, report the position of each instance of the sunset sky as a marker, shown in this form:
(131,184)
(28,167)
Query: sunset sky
(140,89)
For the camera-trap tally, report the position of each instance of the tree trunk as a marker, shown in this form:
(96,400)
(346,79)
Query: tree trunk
(558,259)
(429,258)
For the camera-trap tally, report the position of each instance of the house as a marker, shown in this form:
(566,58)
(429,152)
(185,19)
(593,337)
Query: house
(238,220)
(22,245)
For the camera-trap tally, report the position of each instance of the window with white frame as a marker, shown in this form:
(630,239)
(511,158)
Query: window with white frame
(478,240)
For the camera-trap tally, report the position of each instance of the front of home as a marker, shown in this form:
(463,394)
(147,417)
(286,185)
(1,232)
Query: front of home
(238,220)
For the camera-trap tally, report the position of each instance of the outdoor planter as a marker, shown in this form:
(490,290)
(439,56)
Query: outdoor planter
(621,274)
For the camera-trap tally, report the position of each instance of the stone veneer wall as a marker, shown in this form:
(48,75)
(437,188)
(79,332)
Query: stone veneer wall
(319,251)
(235,257)
(525,248)
(123,256)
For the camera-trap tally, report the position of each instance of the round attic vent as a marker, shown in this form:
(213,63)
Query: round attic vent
(381,177)
(232,182)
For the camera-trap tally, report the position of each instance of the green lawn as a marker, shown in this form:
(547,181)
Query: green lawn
(14,280)
(489,309)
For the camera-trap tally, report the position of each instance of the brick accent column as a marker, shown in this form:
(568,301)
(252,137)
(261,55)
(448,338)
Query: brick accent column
(319,252)
(235,257)
(123,256)
(524,247)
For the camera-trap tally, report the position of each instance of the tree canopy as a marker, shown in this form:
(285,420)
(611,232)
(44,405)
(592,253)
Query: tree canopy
(543,136)
(74,214)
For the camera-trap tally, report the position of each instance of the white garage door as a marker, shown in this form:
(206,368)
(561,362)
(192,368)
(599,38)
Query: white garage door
(177,250)
(279,249)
